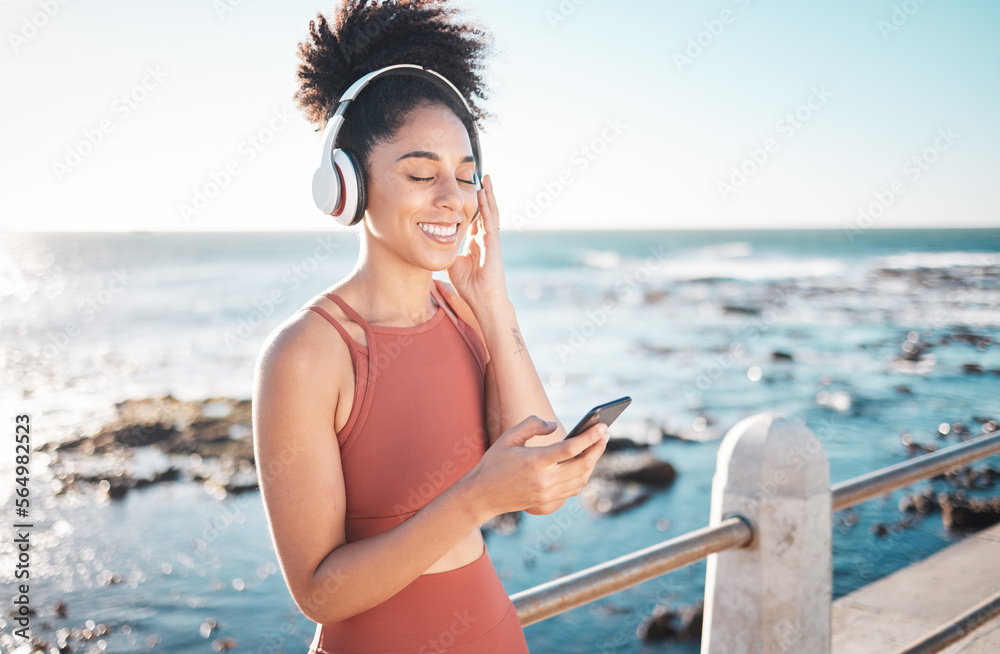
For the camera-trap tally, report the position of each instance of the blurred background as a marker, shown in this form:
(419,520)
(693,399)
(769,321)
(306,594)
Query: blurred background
(716,208)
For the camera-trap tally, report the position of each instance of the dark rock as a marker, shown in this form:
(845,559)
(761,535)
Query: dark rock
(880,529)
(905,390)
(913,447)
(217,428)
(170,474)
(972,369)
(660,474)
(920,503)
(972,478)
(958,513)
(749,311)
(781,356)
(971,339)
(610,497)
(175,427)
(619,443)
(235,489)
(625,479)
(666,624)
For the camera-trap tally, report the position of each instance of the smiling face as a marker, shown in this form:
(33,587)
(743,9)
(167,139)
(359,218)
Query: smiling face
(419,184)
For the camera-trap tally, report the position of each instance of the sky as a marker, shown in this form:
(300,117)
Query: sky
(727,114)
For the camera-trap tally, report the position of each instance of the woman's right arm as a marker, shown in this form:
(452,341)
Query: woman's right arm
(302,483)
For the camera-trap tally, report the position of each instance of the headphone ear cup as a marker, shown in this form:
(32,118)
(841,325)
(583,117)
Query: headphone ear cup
(351,189)
(327,187)
(362,194)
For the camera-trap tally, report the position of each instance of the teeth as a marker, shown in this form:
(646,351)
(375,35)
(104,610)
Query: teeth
(439,231)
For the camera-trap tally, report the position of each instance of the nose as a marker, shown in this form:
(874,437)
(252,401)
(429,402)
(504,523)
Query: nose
(450,194)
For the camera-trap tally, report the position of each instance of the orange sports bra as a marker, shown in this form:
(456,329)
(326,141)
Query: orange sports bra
(418,419)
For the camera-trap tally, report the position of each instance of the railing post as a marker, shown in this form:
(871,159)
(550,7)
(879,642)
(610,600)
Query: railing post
(773,595)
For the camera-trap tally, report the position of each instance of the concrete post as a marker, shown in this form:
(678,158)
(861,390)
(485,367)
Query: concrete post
(773,595)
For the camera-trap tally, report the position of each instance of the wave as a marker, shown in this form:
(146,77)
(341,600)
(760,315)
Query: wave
(912,260)
(752,269)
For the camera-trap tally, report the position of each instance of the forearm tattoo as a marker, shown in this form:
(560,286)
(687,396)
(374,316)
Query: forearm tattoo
(520,343)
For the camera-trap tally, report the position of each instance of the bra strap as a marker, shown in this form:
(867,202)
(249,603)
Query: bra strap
(479,348)
(439,297)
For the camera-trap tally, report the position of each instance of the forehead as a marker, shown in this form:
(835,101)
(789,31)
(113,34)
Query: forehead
(434,128)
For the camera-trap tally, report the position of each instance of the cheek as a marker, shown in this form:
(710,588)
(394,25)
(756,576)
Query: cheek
(387,199)
(471,201)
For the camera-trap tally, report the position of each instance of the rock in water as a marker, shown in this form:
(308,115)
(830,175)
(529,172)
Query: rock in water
(659,473)
(972,514)
(664,623)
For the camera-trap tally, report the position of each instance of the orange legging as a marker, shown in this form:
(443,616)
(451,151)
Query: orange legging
(460,611)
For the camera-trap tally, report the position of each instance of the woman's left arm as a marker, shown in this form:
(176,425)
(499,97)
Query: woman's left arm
(513,388)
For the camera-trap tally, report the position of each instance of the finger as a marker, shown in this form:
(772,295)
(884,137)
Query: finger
(570,447)
(489,223)
(484,211)
(494,210)
(584,462)
(572,478)
(476,251)
(470,235)
(531,426)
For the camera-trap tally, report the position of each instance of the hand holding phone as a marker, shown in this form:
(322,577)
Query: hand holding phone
(605,413)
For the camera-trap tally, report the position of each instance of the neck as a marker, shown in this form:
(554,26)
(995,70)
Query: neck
(389,290)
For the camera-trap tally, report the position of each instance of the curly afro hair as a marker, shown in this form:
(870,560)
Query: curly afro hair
(368,35)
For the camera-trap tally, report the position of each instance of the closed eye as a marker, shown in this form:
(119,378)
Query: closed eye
(429,179)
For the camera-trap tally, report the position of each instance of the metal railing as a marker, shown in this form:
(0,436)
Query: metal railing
(571,591)
(857,490)
(560,595)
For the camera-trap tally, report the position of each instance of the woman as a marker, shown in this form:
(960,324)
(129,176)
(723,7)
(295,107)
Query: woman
(396,413)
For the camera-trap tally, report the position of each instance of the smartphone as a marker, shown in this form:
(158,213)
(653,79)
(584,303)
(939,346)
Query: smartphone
(605,413)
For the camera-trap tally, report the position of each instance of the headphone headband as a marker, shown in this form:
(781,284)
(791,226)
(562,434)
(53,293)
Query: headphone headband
(333,189)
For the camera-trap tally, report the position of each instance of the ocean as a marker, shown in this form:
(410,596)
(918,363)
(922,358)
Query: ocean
(872,338)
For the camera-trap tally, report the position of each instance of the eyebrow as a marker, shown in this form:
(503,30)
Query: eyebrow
(433,156)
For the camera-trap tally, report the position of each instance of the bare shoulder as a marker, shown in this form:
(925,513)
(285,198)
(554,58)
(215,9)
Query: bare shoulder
(300,346)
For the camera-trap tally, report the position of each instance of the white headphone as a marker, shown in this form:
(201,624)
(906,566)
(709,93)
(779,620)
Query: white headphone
(339,183)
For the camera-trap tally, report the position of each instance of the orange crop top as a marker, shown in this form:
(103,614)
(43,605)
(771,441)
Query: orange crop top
(418,419)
